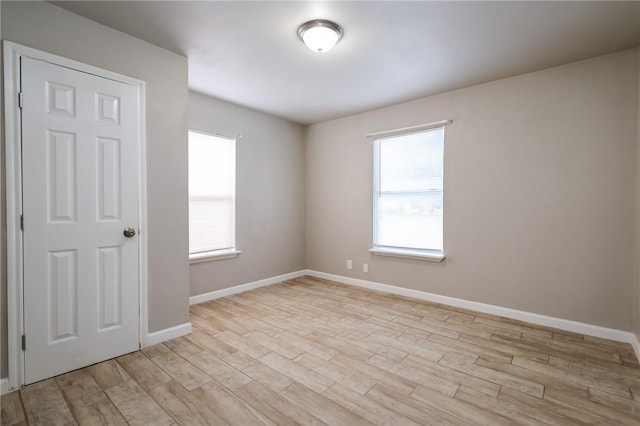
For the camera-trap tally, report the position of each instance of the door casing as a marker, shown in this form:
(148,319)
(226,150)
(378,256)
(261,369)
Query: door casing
(13,202)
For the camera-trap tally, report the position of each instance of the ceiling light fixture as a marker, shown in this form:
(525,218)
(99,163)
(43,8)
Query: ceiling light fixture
(320,35)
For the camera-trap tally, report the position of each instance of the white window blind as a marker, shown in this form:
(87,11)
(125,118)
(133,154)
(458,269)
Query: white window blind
(212,181)
(408,198)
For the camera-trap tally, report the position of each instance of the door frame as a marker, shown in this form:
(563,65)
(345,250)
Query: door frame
(13,202)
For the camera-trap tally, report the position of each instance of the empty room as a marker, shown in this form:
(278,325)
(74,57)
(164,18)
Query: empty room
(320,213)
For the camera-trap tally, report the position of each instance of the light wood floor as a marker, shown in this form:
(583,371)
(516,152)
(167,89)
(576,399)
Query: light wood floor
(313,352)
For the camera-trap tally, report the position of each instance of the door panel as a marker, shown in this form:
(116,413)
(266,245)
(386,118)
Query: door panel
(61,179)
(62,295)
(80,142)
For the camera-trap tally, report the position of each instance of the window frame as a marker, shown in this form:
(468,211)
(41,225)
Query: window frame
(224,253)
(433,255)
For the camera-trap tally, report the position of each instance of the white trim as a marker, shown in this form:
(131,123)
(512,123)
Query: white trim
(209,256)
(13,211)
(562,324)
(167,334)
(205,297)
(13,161)
(408,130)
(430,256)
(41,55)
(4,386)
(143,241)
(635,344)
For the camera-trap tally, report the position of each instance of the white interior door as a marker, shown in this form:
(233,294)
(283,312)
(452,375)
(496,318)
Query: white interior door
(80,165)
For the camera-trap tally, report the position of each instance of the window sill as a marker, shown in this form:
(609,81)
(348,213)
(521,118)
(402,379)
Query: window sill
(431,256)
(209,256)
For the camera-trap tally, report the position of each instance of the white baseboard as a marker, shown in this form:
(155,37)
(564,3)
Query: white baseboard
(167,334)
(562,324)
(635,343)
(205,297)
(4,386)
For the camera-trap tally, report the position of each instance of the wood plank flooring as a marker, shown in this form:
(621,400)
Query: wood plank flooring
(314,352)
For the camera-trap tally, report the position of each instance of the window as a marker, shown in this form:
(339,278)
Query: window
(212,182)
(408,194)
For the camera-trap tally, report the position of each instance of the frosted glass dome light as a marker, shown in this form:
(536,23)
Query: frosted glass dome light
(320,35)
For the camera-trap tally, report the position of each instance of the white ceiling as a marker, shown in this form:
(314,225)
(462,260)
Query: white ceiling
(249,53)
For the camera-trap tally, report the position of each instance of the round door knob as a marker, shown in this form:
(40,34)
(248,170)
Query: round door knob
(129,232)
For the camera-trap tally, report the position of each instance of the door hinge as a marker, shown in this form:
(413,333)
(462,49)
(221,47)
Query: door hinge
(20,100)
(24,342)
(22,222)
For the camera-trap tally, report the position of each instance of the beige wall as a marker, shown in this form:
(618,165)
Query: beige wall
(539,192)
(270,194)
(46,27)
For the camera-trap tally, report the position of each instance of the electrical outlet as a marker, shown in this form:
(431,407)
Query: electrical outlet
(349,264)
(365,267)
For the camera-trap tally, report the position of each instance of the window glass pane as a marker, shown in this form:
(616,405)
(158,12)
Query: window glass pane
(211,193)
(412,162)
(409,199)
